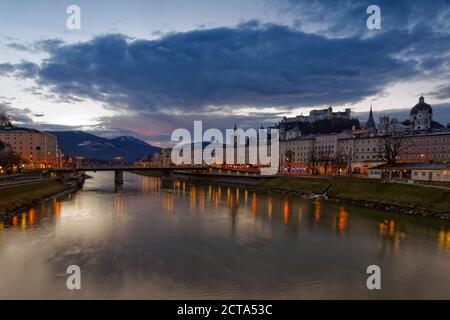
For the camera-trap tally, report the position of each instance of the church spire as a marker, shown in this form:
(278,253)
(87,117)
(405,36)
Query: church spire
(370,122)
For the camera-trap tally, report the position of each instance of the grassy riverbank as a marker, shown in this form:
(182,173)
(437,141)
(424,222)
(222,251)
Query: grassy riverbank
(411,199)
(18,197)
(390,197)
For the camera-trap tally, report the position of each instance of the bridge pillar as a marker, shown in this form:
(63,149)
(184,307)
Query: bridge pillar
(118,177)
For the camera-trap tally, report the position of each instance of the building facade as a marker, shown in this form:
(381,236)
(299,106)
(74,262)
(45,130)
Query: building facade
(313,154)
(296,155)
(422,148)
(38,149)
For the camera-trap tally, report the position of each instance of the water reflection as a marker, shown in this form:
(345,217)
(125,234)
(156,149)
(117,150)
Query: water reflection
(391,229)
(167,202)
(202,198)
(118,203)
(224,241)
(444,240)
(317,210)
(33,217)
(341,221)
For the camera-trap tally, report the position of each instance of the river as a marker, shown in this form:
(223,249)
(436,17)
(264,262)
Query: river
(150,240)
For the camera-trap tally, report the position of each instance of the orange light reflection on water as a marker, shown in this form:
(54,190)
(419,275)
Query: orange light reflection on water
(444,240)
(286,211)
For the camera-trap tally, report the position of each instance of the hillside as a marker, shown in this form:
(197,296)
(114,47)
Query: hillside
(79,143)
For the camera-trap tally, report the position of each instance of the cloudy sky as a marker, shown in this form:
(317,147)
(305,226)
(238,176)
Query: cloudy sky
(146,67)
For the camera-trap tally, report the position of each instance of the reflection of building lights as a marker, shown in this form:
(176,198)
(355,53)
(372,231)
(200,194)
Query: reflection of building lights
(230,199)
(15,221)
(202,199)
(118,203)
(23,221)
(254,204)
(57,205)
(342,220)
(31,216)
(193,197)
(444,240)
(286,211)
(216,198)
(167,202)
(391,229)
(317,209)
(269,207)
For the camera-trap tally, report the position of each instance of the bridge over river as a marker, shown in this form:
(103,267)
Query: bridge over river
(119,169)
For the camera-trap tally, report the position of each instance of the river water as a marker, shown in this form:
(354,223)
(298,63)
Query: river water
(151,240)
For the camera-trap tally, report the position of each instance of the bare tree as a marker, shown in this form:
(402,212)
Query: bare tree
(9,159)
(313,162)
(390,148)
(340,161)
(326,159)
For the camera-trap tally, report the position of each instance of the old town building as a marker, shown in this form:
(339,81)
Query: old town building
(38,149)
(421,148)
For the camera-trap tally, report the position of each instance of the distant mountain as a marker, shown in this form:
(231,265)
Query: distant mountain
(79,143)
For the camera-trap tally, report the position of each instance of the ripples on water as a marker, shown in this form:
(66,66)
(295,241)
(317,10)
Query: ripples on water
(154,240)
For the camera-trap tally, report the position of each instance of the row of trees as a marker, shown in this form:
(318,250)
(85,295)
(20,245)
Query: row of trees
(327,163)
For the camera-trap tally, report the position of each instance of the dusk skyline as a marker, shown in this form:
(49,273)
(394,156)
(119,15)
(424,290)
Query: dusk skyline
(225,159)
(144,68)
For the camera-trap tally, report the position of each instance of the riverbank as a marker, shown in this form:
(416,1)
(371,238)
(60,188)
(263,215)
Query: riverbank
(16,198)
(395,198)
(391,197)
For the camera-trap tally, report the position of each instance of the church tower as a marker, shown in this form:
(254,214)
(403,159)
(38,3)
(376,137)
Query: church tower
(370,125)
(421,116)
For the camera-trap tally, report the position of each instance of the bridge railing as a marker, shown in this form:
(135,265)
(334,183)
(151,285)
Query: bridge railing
(131,167)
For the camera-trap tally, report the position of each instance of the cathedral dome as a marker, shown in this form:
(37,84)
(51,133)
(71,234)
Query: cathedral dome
(421,107)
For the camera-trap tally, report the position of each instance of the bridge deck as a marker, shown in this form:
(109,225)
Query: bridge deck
(125,168)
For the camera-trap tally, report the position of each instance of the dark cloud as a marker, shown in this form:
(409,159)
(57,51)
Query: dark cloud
(6,68)
(348,17)
(19,47)
(328,57)
(25,69)
(250,65)
(441,92)
(20,116)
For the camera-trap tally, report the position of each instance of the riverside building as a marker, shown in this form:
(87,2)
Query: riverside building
(38,149)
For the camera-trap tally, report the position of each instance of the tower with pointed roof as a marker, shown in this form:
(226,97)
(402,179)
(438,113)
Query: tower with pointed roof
(370,125)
